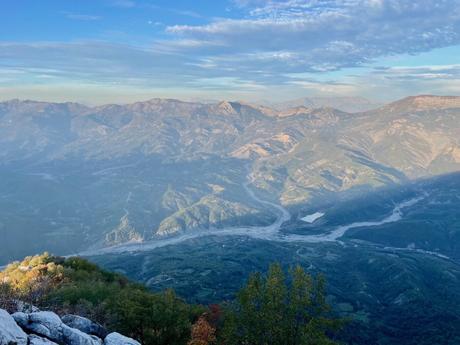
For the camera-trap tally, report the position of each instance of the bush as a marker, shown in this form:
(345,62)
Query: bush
(7,297)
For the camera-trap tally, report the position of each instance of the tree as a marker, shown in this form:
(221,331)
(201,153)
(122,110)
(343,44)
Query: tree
(202,332)
(270,310)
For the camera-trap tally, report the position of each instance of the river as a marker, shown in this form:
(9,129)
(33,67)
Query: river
(271,232)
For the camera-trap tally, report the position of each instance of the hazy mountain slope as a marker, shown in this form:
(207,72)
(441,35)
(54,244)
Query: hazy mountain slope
(31,130)
(389,145)
(418,135)
(76,176)
(65,207)
(348,104)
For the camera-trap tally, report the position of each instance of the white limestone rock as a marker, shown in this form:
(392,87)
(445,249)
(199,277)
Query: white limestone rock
(47,328)
(46,324)
(118,339)
(36,340)
(10,332)
(73,336)
(85,325)
(22,319)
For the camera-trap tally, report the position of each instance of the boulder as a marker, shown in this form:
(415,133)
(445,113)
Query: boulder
(36,340)
(10,332)
(72,336)
(46,324)
(22,319)
(85,325)
(118,339)
(47,328)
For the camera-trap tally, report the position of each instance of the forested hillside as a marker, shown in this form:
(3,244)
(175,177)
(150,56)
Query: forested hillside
(270,309)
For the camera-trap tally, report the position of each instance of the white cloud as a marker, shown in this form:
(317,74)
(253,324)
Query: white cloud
(286,46)
(393,82)
(330,34)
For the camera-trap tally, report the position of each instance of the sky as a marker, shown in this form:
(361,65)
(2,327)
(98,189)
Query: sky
(118,51)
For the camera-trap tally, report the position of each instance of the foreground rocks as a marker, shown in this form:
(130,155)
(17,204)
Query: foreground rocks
(118,339)
(47,328)
(10,332)
(85,325)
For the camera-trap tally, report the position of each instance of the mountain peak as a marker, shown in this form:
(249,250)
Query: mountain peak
(299,110)
(424,102)
(228,108)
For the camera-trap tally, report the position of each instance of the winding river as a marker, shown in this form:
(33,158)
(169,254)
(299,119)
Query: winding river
(271,232)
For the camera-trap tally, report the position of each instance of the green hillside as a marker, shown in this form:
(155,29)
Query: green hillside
(270,309)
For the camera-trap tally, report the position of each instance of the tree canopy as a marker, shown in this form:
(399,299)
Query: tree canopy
(275,309)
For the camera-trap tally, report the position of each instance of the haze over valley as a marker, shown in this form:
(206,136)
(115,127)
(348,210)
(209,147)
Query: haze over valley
(115,174)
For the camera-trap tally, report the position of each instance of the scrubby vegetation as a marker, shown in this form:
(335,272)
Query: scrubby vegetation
(268,310)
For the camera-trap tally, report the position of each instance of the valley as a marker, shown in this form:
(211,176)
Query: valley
(76,178)
(196,197)
(271,232)
(390,267)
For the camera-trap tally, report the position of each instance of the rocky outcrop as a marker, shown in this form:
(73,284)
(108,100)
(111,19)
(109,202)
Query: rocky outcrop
(10,332)
(36,340)
(43,323)
(118,339)
(47,328)
(74,336)
(85,325)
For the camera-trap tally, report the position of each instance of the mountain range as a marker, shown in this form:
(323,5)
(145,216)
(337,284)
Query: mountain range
(74,176)
(348,104)
(196,196)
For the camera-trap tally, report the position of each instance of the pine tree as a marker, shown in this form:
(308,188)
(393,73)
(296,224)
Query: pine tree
(276,311)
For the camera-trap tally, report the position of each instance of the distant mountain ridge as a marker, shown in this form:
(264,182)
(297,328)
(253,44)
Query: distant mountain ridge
(346,104)
(117,173)
(424,102)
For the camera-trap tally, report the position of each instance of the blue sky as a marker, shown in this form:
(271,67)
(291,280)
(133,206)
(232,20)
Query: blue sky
(100,51)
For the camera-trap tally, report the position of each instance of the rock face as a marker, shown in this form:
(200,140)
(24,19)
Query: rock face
(74,336)
(118,339)
(43,323)
(36,340)
(22,319)
(10,332)
(85,325)
(47,328)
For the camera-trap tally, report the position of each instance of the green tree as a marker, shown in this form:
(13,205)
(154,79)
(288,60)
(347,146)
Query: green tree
(275,310)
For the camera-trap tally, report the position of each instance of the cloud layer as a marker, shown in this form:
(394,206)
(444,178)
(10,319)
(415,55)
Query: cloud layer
(275,43)
(312,36)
